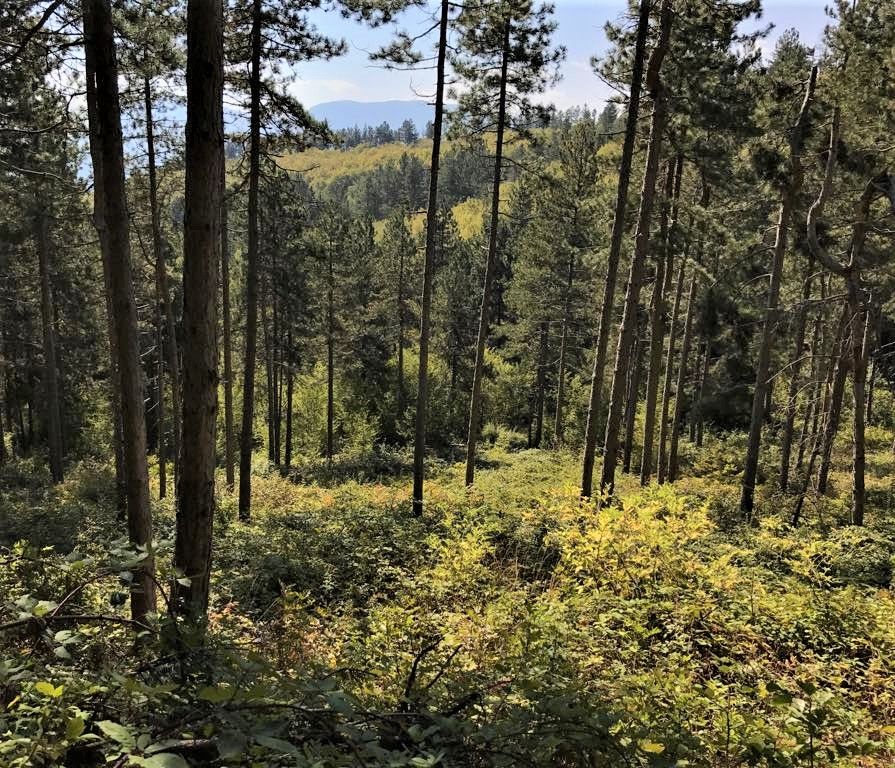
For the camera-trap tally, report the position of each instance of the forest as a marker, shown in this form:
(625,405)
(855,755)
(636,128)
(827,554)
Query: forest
(526,437)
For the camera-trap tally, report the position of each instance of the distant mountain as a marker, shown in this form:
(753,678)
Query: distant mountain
(347,114)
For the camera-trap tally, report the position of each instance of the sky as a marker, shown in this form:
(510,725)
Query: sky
(579,29)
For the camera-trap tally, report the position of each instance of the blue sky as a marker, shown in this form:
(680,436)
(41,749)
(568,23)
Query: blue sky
(580,29)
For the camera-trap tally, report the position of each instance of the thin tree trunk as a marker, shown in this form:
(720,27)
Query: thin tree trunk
(419,438)
(700,395)
(662,469)
(99,223)
(681,380)
(657,330)
(824,439)
(101,42)
(402,314)
(204,162)
(475,400)
(772,313)
(541,386)
(251,321)
(615,245)
(228,345)
(558,425)
(161,278)
(290,387)
(632,394)
(51,369)
(161,447)
(859,381)
(330,359)
(818,354)
(794,382)
(269,383)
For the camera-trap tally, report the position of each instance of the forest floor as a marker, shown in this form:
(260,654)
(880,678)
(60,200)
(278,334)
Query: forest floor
(510,625)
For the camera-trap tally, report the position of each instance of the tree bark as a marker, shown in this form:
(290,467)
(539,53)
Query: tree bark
(100,40)
(772,312)
(794,381)
(558,425)
(641,246)
(99,223)
(632,394)
(51,368)
(681,380)
(541,385)
(228,344)
(419,439)
(251,277)
(662,469)
(161,279)
(204,162)
(615,245)
(657,331)
(475,400)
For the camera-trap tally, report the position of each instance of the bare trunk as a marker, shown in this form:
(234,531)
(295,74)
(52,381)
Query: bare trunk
(558,426)
(330,359)
(101,42)
(204,161)
(161,280)
(541,386)
(228,346)
(794,382)
(657,330)
(700,396)
(51,368)
(419,439)
(664,426)
(475,400)
(251,322)
(632,394)
(615,245)
(681,380)
(99,223)
(859,380)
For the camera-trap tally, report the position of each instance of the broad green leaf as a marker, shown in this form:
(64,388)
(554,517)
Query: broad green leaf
(47,689)
(117,732)
(74,728)
(652,747)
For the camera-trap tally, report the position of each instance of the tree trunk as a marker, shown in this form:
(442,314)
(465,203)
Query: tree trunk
(794,381)
(419,438)
(101,42)
(290,388)
(657,330)
(228,344)
(818,354)
(859,380)
(251,277)
(51,368)
(681,380)
(99,223)
(824,440)
(700,395)
(641,246)
(662,469)
(402,314)
(615,244)
(632,393)
(541,386)
(475,400)
(161,445)
(558,426)
(772,313)
(204,162)
(161,279)
(330,359)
